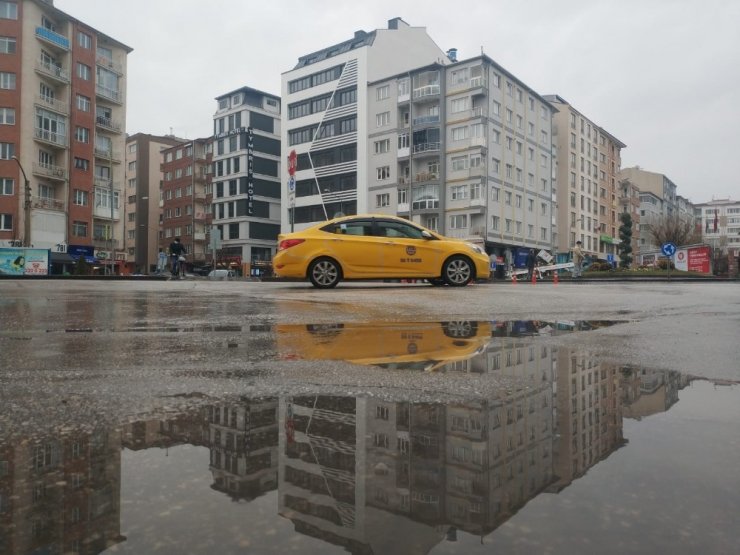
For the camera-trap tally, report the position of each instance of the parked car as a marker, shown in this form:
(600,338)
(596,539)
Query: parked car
(221,274)
(377,247)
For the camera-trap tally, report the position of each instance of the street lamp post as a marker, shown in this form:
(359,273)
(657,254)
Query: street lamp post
(26,206)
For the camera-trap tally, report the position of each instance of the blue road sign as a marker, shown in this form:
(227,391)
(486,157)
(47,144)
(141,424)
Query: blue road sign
(668,249)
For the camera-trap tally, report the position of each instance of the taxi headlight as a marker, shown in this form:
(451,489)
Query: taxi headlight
(475,248)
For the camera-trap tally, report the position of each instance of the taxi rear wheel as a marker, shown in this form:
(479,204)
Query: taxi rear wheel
(324,273)
(457,271)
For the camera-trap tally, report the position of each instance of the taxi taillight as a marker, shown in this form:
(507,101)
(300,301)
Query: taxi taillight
(287,243)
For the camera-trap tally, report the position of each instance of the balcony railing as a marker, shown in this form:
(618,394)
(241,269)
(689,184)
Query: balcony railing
(52,37)
(52,103)
(52,70)
(49,170)
(103,243)
(107,63)
(425,120)
(48,203)
(427,90)
(50,137)
(107,123)
(426,147)
(110,94)
(105,154)
(477,81)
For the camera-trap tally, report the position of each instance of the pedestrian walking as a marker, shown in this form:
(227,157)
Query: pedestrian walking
(161,261)
(577,260)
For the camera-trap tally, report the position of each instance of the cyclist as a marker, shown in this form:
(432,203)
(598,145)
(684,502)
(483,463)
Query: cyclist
(177,250)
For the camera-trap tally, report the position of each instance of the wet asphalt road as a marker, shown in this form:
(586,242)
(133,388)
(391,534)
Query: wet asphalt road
(145,373)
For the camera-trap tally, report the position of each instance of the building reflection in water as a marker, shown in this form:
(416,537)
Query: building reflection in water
(360,472)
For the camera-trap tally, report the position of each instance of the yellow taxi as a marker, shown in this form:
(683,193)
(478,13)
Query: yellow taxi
(425,346)
(377,247)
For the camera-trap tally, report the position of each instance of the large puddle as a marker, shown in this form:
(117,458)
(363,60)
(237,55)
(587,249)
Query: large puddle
(550,450)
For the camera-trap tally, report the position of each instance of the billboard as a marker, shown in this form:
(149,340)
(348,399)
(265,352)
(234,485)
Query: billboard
(694,259)
(24,262)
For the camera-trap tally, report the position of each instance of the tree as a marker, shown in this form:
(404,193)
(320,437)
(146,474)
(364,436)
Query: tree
(82,268)
(625,240)
(673,229)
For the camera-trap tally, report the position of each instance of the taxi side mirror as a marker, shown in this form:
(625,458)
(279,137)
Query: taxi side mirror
(426,235)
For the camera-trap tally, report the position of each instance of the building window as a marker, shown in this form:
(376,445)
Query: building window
(383,173)
(81,197)
(6,186)
(84,40)
(7,151)
(83,103)
(82,164)
(7,80)
(383,92)
(83,71)
(382,200)
(7,45)
(495,222)
(383,146)
(79,229)
(459,221)
(8,10)
(459,133)
(82,135)
(383,119)
(459,192)
(495,194)
(6,222)
(459,163)
(7,116)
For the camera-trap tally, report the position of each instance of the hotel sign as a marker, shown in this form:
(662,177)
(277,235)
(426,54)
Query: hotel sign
(250,172)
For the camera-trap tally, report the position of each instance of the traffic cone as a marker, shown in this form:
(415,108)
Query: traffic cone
(555,278)
(534,278)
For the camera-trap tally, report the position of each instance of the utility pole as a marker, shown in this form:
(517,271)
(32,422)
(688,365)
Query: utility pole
(26,206)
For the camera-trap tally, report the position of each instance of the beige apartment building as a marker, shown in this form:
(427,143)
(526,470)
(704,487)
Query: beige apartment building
(589,160)
(62,129)
(143,198)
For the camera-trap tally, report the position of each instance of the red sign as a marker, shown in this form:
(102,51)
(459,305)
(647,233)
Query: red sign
(292,162)
(699,260)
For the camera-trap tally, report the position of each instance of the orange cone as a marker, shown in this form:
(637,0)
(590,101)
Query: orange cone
(555,278)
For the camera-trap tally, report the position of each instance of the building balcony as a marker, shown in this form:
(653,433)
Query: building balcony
(109,64)
(106,154)
(50,103)
(50,137)
(45,203)
(104,213)
(420,177)
(109,94)
(426,148)
(107,124)
(56,72)
(50,171)
(427,90)
(103,243)
(403,207)
(426,120)
(199,236)
(52,37)
(478,82)
(403,152)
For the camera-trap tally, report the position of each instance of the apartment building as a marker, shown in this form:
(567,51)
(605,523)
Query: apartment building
(629,203)
(246,176)
(331,128)
(589,160)
(143,179)
(473,157)
(62,132)
(185,199)
(719,222)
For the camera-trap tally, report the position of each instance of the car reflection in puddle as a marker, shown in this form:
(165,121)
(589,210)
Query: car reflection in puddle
(315,473)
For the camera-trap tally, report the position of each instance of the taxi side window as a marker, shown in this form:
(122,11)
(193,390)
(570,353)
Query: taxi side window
(352,227)
(398,229)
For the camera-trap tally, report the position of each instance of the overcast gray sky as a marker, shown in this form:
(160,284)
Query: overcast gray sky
(663,76)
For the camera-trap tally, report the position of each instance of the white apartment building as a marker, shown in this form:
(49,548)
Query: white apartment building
(327,122)
(719,221)
(246,175)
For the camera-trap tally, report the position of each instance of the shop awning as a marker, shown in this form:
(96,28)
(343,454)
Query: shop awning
(61,258)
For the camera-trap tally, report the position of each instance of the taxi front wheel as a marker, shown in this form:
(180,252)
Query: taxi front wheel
(324,273)
(457,271)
